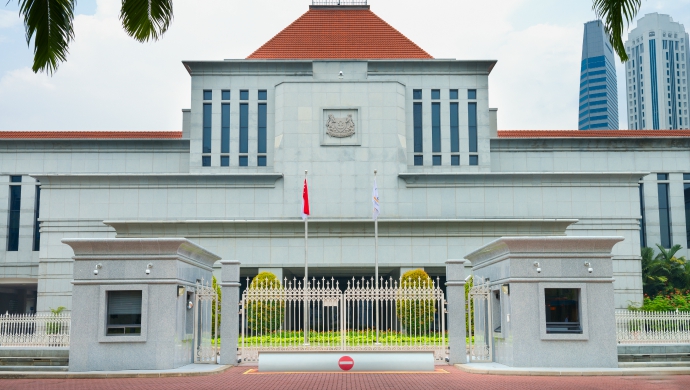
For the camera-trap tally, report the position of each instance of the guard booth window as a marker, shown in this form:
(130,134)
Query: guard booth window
(562,310)
(124,313)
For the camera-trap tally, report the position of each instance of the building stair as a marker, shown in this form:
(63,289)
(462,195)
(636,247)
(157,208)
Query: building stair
(34,359)
(654,355)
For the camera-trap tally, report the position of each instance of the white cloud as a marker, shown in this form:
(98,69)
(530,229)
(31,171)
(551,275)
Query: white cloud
(9,18)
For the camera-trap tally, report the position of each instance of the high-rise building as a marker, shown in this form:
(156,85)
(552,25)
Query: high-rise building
(598,87)
(656,74)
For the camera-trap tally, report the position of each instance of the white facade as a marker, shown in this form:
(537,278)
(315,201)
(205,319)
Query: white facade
(657,74)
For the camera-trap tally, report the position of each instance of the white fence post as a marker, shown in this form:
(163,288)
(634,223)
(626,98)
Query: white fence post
(455,293)
(230,306)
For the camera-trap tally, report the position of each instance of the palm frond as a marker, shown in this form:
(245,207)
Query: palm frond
(616,14)
(146,19)
(49,23)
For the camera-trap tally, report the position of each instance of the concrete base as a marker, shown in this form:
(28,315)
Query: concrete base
(188,370)
(344,361)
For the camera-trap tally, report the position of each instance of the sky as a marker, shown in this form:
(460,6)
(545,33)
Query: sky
(111,82)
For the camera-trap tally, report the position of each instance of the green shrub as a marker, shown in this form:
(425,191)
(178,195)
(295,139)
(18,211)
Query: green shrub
(677,300)
(263,314)
(414,311)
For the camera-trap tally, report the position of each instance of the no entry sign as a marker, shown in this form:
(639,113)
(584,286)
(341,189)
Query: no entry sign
(346,363)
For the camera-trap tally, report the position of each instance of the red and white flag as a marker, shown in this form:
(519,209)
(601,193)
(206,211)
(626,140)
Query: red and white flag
(305,201)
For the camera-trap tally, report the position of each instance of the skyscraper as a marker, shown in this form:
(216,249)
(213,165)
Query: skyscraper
(598,91)
(655,75)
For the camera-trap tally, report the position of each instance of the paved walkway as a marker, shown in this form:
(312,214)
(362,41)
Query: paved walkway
(449,378)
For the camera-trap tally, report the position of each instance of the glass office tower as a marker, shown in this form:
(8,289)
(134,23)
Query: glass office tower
(656,78)
(598,91)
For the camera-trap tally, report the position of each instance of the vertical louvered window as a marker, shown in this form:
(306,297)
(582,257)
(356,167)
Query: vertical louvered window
(244,128)
(37,230)
(14,212)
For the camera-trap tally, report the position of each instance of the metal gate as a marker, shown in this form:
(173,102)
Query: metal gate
(479,322)
(325,318)
(206,345)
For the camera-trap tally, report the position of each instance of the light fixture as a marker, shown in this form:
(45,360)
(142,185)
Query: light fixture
(148,268)
(506,289)
(180,291)
(340,75)
(589,267)
(190,305)
(98,266)
(537,266)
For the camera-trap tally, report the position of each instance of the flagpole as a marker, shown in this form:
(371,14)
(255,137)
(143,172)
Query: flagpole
(376,267)
(306,276)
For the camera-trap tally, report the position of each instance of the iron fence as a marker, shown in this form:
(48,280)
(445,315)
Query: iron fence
(651,327)
(322,317)
(34,330)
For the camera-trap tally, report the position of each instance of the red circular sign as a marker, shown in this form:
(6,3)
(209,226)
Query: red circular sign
(346,363)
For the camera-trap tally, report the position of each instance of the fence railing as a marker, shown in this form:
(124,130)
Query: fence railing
(34,330)
(652,327)
(362,317)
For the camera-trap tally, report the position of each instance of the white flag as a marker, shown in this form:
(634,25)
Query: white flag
(375,201)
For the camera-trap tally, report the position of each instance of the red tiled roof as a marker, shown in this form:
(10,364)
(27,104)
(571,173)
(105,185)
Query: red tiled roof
(591,133)
(90,134)
(339,33)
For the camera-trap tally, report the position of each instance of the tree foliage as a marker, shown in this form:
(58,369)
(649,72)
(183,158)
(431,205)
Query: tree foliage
(50,23)
(616,14)
(664,273)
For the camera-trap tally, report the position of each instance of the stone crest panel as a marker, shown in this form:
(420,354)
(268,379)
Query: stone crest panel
(340,127)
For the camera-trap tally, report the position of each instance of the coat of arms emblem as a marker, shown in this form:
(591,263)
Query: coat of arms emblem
(340,127)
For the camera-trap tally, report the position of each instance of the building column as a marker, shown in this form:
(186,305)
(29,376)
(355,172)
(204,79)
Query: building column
(455,295)
(229,328)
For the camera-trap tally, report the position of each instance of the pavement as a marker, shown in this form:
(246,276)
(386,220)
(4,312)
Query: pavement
(445,377)
(500,369)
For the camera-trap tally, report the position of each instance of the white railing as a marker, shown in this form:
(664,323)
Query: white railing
(652,327)
(34,330)
(363,317)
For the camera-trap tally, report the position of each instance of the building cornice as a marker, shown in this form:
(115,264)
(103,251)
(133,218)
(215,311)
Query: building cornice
(168,180)
(328,228)
(594,144)
(521,179)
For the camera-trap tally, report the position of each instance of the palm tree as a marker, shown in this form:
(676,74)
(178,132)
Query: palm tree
(654,273)
(676,266)
(616,14)
(50,23)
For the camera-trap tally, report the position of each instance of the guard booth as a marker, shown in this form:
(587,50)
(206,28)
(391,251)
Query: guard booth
(141,304)
(543,302)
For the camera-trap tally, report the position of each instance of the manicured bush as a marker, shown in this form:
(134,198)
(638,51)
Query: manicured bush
(415,306)
(265,308)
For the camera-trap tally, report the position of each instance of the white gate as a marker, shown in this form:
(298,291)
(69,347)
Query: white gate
(363,317)
(206,323)
(479,322)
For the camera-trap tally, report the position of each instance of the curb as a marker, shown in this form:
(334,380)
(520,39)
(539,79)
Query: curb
(108,374)
(646,371)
